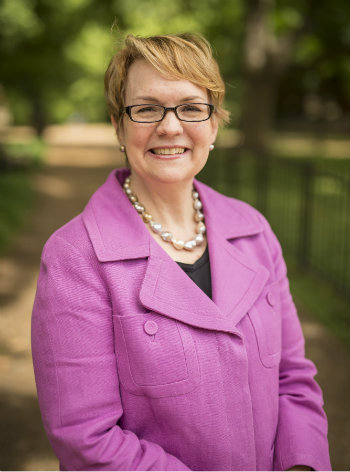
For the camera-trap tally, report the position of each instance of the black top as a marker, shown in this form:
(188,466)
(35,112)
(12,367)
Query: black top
(199,272)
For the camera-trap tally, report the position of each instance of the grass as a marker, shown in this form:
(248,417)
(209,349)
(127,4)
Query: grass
(16,191)
(16,199)
(25,153)
(314,295)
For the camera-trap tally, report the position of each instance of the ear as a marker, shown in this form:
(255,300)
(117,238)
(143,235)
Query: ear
(118,129)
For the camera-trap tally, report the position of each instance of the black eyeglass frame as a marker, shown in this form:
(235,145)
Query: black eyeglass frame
(127,110)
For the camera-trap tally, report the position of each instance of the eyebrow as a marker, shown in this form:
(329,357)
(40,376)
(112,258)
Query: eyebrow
(184,99)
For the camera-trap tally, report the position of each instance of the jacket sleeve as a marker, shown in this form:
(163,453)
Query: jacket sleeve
(76,372)
(301,437)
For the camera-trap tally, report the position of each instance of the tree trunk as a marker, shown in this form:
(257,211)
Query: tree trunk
(258,111)
(38,118)
(261,74)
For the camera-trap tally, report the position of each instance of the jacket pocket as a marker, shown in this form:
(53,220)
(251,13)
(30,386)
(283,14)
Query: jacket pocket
(156,356)
(265,317)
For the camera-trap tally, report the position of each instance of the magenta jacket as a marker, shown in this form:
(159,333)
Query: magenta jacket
(137,369)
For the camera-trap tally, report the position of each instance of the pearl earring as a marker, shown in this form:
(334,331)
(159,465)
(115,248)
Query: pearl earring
(122,148)
(211,147)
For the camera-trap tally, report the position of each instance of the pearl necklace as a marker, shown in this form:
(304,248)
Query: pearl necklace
(157,227)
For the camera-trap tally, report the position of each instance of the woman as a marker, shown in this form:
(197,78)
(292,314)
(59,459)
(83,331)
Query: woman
(138,367)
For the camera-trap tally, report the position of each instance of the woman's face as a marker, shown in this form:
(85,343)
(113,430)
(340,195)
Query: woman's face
(169,151)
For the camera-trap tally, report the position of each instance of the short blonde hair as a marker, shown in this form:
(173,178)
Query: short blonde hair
(185,56)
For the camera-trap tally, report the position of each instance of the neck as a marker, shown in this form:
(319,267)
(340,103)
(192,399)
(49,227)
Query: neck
(169,203)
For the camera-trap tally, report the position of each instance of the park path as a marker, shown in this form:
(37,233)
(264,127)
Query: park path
(74,170)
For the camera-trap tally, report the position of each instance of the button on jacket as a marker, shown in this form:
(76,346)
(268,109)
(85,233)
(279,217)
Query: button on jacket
(137,369)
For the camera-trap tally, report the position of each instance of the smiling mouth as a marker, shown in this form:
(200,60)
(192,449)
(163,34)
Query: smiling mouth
(168,151)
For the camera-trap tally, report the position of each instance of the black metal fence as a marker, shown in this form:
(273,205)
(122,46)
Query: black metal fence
(306,207)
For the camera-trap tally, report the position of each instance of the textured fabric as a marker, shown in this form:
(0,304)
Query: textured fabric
(199,272)
(137,369)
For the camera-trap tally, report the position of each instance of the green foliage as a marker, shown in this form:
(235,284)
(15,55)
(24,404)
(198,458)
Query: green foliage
(310,49)
(149,17)
(18,22)
(53,54)
(285,19)
(90,52)
(29,154)
(91,49)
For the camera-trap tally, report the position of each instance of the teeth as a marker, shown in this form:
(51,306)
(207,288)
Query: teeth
(168,150)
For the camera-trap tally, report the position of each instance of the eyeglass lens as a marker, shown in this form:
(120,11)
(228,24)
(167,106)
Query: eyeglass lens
(185,112)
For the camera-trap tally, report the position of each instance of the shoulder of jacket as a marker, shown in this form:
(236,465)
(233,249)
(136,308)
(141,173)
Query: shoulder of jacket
(71,237)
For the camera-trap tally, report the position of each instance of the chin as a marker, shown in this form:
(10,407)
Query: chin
(174,174)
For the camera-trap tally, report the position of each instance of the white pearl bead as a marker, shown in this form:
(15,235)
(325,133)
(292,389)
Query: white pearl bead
(195,195)
(178,243)
(166,235)
(139,208)
(198,216)
(189,245)
(201,228)
(197,205)
(199,239)
(156,227)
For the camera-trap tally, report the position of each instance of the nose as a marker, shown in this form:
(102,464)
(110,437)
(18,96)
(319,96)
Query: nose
(170,125)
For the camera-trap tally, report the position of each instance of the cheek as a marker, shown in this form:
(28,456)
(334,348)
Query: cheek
(201,135)
(138,138)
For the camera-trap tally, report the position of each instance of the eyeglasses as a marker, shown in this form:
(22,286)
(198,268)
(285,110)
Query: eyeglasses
(192,112)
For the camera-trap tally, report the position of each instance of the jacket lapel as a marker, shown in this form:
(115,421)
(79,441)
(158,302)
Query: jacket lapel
(168,290)
(118,233)
(236,281)
(236,284)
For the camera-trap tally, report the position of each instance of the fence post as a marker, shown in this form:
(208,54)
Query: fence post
(305,216)
(233,173)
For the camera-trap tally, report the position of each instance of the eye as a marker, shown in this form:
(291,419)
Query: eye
(191,108)
(145,109)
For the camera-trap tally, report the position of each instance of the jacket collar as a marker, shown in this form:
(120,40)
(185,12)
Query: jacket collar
(117,232)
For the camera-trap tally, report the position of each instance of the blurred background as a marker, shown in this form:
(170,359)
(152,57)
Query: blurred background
(286,69)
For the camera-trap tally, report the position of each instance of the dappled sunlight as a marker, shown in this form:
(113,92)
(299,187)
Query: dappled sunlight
(81,134)
(82,145)
(9,271)
(92,157)
(313,330)
(54,186)
(43,462)
(16,369)
(293,144)
(299,144)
